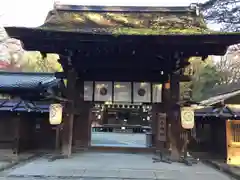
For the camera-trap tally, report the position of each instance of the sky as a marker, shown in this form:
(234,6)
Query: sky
(32,13)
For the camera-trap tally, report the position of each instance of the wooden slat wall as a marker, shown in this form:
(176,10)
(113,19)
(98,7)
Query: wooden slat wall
(233,142)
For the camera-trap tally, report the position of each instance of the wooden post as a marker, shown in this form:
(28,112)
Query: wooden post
(174,129)
(158,126)
(57,139)
(16,122)
(69,114)
(82,121)
(166,106)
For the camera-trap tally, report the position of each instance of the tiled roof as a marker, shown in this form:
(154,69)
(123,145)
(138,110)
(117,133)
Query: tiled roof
(224,89)
(26,81)
(23,106)
(125,20)
(217,112)
(219,98)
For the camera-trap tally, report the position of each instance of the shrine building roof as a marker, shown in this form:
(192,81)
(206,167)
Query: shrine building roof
(24,84)
(18,105)
(125,20)
(69,27)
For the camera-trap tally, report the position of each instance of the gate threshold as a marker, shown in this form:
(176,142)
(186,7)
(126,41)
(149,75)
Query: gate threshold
(122,149)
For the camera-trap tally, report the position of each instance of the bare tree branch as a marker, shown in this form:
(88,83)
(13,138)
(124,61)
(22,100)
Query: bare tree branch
(223,12)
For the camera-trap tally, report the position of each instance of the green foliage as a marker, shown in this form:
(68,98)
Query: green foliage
(34,62)
(147,31)
(205,77)
(165,22)
(204,81)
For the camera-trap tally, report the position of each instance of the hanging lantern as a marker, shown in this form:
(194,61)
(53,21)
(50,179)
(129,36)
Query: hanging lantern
(187,117)
(55,114)
(167,85)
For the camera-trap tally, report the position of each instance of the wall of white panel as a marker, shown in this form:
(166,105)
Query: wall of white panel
(122,92)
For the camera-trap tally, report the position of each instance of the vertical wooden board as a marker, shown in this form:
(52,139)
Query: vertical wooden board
(233,142)
(162,127)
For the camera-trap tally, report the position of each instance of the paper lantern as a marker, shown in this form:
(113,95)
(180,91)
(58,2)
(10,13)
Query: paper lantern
(187,117)
(55,114)
(167,85)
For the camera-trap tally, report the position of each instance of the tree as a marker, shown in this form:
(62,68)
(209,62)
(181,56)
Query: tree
(35,62)
(11,52)
(229,65)
(223,12)
(204,77)
(206,80)
(14,58)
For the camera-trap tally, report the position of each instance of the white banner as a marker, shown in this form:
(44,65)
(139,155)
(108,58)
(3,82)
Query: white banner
(141,92)
(103,91)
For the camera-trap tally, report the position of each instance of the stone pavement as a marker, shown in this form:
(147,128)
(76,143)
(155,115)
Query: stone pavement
(8,160)
(96,165)
(233,171)
(118,139)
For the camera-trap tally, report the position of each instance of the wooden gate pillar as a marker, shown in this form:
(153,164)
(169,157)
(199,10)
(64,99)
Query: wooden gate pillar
(159,123)
(173,114)
(82,119)
(69,114)
(16,144)
(159,126)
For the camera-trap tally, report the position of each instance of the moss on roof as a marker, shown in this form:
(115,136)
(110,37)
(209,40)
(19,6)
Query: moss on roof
(144,23)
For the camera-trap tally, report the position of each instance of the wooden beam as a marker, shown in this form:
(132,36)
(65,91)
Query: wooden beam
(192,49)
(122,62)
(32,35)
(125,76)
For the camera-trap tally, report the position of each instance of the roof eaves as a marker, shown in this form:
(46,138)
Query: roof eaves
(148,9)
(14,105)
(26,73)
(217,99)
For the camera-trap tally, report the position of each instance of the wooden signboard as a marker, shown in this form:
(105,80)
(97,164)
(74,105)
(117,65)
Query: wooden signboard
(162,127)
(187,117)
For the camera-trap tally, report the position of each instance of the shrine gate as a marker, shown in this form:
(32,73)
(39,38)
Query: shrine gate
(123,45)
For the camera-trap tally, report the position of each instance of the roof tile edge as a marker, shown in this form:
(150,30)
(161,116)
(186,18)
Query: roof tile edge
(149,9)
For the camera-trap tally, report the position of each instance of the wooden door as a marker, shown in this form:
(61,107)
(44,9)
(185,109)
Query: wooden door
(233,142)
